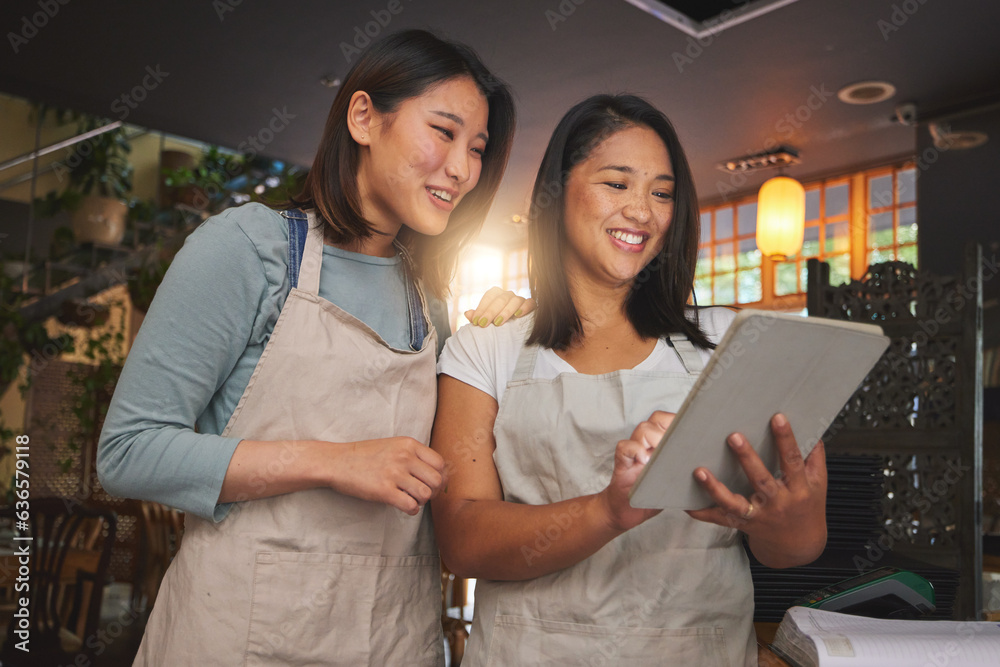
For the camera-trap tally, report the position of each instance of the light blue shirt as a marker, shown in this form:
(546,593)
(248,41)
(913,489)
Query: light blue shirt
(201,340)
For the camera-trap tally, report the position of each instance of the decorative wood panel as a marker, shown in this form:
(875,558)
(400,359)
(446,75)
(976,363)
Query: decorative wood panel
(920,409)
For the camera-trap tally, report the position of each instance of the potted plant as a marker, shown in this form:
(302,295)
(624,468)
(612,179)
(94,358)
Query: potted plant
(100,179)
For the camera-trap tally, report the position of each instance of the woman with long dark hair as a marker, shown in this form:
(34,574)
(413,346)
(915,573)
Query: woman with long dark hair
(282,388)
(529,416)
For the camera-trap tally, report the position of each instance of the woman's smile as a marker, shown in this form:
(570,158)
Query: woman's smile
(628,240)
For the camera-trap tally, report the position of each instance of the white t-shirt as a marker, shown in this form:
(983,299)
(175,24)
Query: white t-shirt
(485,358)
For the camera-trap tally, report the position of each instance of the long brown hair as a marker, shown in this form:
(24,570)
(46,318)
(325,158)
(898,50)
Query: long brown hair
(399,67)
(657,303)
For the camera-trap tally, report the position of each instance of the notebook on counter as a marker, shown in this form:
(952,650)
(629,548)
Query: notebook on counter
(816,638)
(804,367)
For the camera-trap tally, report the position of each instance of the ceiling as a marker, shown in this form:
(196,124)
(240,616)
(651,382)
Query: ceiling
(226,66)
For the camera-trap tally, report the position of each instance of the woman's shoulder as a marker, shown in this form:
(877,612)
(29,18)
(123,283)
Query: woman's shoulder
(487,347)
(495,340)
(234,238)
(254,220)
(713,320)
(485,357)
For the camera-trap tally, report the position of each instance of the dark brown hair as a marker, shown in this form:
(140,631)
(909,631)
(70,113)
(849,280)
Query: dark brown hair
(657,303)
(395,69)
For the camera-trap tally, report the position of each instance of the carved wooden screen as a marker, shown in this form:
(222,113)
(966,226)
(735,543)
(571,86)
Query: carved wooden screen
(920,409)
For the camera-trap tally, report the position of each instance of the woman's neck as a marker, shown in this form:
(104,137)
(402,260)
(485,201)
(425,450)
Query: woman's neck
(608,340)
(377,245)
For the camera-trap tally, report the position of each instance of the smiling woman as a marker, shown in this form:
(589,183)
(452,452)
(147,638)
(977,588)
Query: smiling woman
(546,424)
(282,387)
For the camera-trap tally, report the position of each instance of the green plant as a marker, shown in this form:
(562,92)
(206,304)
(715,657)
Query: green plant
(20,337)
(209,178)
(95,384)
(100,164)
(143,282)
(96,166)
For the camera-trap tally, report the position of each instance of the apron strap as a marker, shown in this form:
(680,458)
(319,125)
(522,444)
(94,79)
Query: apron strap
(525,363)
(312,258)
(687,352)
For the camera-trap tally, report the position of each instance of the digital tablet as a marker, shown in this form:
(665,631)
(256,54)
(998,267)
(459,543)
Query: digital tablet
(804,367)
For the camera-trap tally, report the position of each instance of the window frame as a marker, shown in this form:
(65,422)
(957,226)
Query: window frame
(858,217)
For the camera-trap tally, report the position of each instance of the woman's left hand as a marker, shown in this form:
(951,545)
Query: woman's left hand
(784,519)
(498,306)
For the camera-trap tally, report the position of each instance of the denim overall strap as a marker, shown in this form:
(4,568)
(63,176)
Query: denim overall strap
(418,323)
(298,228)
(687,352)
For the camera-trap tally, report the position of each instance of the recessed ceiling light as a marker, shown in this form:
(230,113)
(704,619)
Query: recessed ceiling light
(866,92)
(329,81)
(945,139)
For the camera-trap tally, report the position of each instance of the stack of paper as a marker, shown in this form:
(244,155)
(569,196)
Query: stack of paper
(815,638)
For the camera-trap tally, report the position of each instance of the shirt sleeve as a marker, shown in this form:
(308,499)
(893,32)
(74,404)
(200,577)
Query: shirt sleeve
(195,331)
(470,356)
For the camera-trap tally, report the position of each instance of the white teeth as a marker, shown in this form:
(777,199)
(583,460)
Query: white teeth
(440,194)
(631,239)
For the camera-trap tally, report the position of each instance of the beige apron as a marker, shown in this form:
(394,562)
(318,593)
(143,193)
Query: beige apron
(672,591)
(313,577)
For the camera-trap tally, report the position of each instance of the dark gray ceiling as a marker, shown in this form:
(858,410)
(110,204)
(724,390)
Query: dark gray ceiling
(229,63)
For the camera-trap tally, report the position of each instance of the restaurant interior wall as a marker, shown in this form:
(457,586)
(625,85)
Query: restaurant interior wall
(959,195)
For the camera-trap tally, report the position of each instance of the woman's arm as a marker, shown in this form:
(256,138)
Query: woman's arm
(787,525)
(205,312)
(401,471)
(481,535)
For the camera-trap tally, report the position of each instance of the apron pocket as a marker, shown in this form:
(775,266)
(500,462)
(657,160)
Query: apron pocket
(310,608)
(529,641)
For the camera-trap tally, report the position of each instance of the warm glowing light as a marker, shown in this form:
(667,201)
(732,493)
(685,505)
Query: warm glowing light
(781,217)
(480,269)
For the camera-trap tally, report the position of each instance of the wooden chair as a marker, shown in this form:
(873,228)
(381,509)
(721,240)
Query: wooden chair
(455,595)
(163,528)
(70,548)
